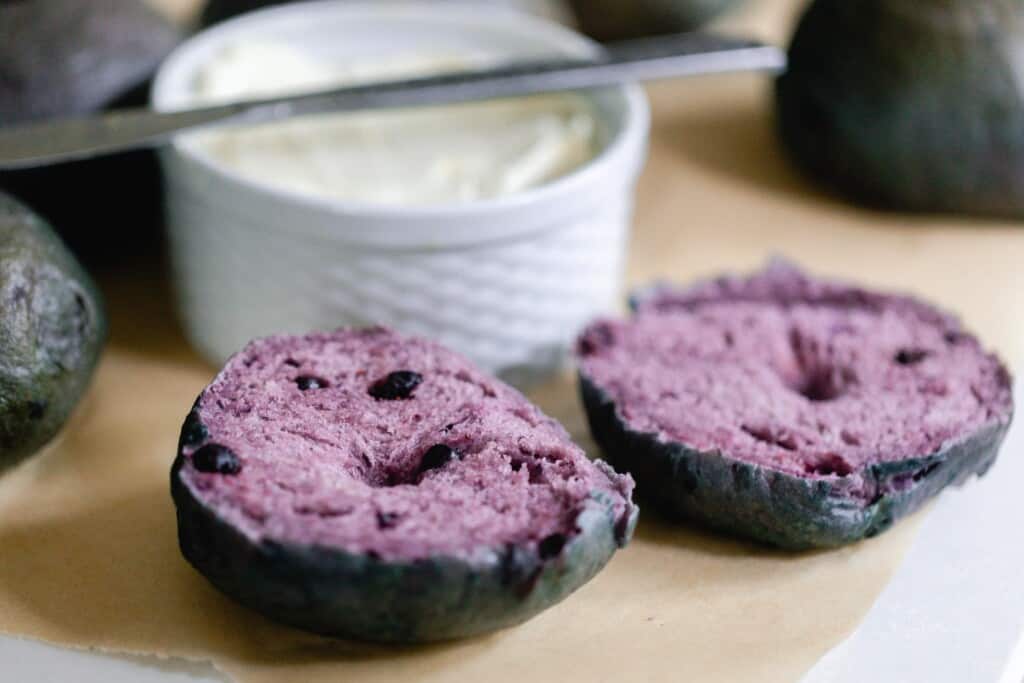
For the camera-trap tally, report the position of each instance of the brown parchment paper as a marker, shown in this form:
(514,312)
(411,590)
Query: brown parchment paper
(88,554)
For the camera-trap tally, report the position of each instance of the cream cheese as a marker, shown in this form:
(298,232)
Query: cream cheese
(423,156)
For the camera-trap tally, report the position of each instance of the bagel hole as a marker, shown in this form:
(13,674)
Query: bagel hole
(820,379)
(822,384)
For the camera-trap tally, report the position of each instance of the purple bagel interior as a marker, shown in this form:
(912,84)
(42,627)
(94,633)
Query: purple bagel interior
(321,444)
(807,377)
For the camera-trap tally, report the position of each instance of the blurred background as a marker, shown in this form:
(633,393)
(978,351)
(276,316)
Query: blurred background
(867,161)
(891,153)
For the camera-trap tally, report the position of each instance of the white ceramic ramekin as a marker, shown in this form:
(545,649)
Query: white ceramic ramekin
(507,281)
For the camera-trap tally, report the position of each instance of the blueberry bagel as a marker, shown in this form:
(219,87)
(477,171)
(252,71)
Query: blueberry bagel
(794,411)
(365,485)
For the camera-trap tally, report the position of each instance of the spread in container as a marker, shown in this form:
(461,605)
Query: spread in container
(410,157)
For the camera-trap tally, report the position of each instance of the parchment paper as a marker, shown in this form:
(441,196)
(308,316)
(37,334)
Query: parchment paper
(88,554)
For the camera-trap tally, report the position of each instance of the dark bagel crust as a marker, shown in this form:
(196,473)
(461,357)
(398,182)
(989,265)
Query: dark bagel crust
(770,506)
(337,593)
(876,93)
(52,331)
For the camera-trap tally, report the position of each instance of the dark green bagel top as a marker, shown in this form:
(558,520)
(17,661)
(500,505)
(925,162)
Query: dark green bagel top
(909,104)
(52,329)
